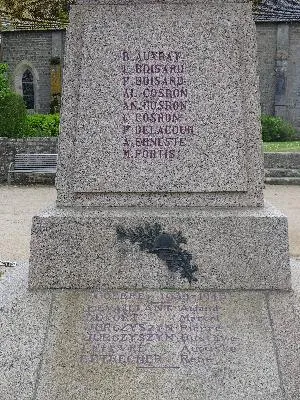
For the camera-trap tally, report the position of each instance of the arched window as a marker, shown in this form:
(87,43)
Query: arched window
(28,89)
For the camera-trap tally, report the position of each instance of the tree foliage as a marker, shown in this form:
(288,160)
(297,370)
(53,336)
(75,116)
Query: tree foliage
(41,10)
(36,10)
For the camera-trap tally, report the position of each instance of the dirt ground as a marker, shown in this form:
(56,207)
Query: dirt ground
(18,204)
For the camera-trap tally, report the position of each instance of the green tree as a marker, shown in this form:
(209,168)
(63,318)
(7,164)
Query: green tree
(36,10)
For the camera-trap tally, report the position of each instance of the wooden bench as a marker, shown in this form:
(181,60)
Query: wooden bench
(33,164)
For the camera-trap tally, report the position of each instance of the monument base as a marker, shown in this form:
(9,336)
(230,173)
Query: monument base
(148,344)
(238,248)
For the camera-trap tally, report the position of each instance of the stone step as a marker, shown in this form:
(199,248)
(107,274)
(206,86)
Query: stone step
(282,172)
(282,160)
(282,180)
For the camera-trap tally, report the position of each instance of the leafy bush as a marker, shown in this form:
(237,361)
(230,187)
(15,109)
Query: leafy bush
(4,86)
(275,129)
(12,108)
(12,115)
(14,121)
(42,125)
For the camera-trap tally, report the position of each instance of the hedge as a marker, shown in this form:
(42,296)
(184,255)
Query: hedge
(12,108)
(14,121)
(275,129)
(12,115)
(42,125)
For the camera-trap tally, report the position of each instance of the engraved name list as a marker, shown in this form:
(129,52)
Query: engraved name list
(164,330)
(155,105)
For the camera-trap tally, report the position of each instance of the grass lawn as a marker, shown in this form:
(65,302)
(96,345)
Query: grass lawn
(272,147)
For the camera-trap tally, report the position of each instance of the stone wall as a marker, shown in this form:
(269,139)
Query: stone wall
(10,147)
(293,113)
(33,50)
(279,69)
(282,160)
(266,46)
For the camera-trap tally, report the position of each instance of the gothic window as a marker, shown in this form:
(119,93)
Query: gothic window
(28,89)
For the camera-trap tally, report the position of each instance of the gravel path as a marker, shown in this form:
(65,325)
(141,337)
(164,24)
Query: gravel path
(18,204)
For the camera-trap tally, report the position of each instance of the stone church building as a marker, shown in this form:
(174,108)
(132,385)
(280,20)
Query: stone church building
(35,58)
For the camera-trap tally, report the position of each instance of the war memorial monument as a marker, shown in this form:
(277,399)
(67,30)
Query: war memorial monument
(160,273)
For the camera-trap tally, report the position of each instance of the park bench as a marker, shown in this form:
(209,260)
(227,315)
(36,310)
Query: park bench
(33,164)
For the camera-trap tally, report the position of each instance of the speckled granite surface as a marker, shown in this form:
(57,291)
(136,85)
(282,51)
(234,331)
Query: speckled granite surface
(232,248)
(160,171)
(160,108)
(23,327)
(154,345)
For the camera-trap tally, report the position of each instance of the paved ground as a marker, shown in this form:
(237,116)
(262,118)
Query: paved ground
(287,199)
(19,203)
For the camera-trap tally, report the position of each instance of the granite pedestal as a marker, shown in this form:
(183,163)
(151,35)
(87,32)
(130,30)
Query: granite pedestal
(160,170)
(148,344)
(231,248)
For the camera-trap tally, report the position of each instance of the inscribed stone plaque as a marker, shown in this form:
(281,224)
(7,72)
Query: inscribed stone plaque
(137,345)
(160,101)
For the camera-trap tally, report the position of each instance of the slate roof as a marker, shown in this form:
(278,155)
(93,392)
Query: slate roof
(278,11)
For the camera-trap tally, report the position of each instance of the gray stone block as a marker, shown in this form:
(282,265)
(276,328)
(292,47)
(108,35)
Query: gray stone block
(232,248)
(285,320)
(217,159)
(160,345)
(23,327)
(282,181)
(142,344)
